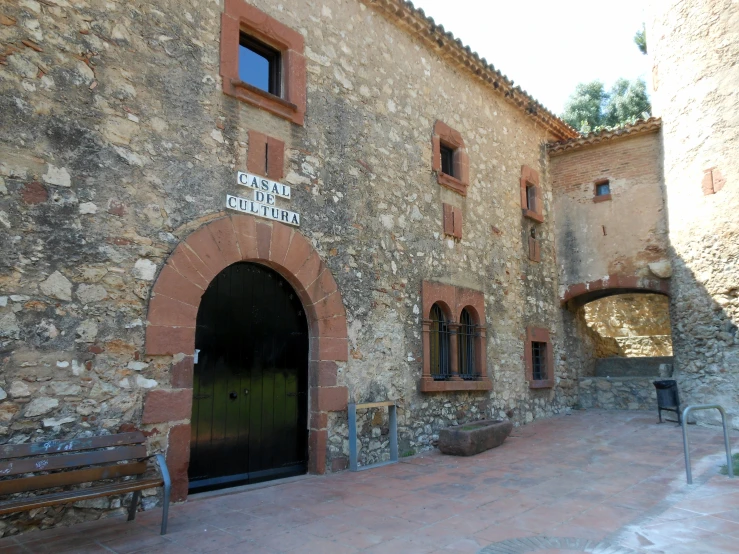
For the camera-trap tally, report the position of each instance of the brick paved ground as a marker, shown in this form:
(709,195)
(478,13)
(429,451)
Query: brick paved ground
(594,481)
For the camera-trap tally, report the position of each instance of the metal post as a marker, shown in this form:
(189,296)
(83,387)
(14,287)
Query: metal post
(393,415)
(167,489)
(353,463)
(686,447)
(729,461)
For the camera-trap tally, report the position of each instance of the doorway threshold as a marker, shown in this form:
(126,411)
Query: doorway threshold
(251,487)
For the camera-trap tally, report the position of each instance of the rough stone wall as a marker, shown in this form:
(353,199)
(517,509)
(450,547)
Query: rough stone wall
(694,47)
(117,142)
(636,324)
(618,393)
(616,237)
(651,345)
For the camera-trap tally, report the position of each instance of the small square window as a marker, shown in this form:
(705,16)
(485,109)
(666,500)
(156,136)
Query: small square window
(601,189)
(259,65)
(447,160)
(539,360)
(450,160)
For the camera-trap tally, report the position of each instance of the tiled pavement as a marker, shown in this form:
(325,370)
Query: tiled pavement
(593,481)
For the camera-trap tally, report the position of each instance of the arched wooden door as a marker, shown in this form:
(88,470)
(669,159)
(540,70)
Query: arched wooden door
(250,401)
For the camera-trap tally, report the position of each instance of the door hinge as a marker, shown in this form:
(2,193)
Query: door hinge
(200,396)
(196,356)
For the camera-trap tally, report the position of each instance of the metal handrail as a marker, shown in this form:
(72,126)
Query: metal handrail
(686,411)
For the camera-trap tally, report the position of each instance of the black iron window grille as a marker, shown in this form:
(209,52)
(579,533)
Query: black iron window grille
(539,360)
(259,65)
(439,345)
(467,336)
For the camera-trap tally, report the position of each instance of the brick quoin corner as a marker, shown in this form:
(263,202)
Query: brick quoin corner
(173,312)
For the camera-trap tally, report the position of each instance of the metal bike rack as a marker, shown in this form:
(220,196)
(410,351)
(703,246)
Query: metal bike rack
(393,416)
(686,411)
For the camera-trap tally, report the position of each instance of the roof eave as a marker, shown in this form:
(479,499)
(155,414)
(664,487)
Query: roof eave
(413,20)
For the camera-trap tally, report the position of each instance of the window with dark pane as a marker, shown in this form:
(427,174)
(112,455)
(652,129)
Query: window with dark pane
(447,160)
(531,197)
(467,338)
(601,189)
(439,347)
(259,65)
(539,360)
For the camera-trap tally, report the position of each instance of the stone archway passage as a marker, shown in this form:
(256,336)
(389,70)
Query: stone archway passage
(581,293)
(173,311)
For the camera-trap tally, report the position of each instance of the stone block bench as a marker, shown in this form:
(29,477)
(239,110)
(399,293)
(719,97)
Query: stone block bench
(472,438)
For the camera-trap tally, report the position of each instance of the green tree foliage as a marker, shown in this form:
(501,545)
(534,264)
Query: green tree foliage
(627,102)
(640,38)
(585,105)
(591,108)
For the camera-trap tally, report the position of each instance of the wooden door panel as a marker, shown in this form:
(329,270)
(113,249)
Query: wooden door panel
(252,335)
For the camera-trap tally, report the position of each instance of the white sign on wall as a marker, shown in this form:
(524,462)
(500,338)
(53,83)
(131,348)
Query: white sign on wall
(263,204)
(262,210)
(263,184)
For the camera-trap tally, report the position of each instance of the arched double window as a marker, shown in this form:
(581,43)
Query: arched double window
(454,352)
(465,339)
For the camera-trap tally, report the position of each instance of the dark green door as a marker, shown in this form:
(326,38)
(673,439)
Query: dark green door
(249,414)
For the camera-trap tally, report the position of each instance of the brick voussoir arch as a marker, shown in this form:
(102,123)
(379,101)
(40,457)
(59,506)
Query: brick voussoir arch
(581,293)
(173,309)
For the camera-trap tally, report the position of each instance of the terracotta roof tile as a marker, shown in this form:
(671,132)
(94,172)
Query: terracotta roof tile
(415,21)
(639,127)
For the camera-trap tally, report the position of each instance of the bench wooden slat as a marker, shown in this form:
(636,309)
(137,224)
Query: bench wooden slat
(375,404)
(9,451)
(77,495)
(57,461)
(75,477)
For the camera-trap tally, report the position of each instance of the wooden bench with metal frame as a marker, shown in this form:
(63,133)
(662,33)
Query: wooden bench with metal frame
(36,467)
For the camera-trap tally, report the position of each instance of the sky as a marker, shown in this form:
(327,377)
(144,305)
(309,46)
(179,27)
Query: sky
(549,46)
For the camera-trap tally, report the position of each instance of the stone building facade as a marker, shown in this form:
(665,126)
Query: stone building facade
(405,175)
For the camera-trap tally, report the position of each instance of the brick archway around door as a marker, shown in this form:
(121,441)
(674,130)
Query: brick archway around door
(173,310)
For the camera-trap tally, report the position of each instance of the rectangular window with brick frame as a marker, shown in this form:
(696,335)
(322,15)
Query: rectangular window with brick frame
(602,191)
(532,198)
(539,358)
(262,61)
(450,160)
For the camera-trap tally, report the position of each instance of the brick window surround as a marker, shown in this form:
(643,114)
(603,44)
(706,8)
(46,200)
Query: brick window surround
(530,179)
(452,300)
(601,197)
(460,178)
(266,156)
(538,334)
(452,221)
(172,314)
(239,17)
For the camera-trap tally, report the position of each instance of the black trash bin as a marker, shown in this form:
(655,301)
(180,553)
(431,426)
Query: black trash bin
(667,397)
